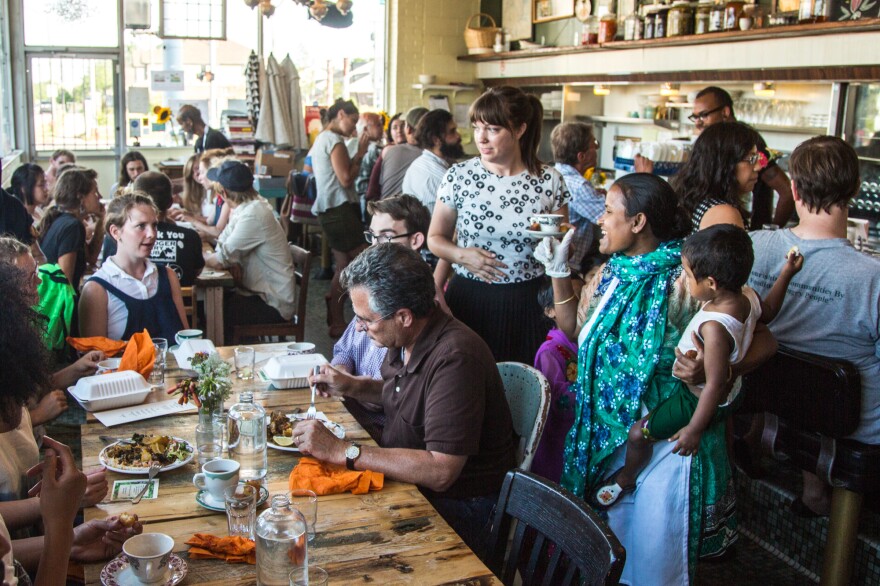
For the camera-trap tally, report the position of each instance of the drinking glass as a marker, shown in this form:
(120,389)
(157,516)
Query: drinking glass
(306,502)
(157,376)
(244,362)
(308,576)
(241,509)
(209,441)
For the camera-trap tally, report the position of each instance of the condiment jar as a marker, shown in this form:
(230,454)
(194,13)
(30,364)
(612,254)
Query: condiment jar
(591,31)
(701,20)
(678,22)
(633,27)
(649,25)
(732,12)
(716,18)
(607,28)
(660,23)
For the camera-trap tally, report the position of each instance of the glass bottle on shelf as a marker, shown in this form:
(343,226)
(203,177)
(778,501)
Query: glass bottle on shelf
(649,25)
(247,437)
(591,31)
(660,23)
(701,20)
(716,17)
(607,28)
(813,11)
(678,23)
(282,542)
(732,12)
(633,28)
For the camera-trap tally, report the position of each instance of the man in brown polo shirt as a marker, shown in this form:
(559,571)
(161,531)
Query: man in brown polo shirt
(448,427)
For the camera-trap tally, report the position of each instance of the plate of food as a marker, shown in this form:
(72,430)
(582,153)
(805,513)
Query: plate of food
(279,432)
(133,456)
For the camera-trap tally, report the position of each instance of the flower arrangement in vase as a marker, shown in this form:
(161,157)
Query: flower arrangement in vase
(210,388)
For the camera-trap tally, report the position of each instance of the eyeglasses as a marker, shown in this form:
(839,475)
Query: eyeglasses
(367,323)
(703,115)
(383,238)
(751,159)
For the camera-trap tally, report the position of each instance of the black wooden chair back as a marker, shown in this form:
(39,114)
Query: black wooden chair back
(558,539)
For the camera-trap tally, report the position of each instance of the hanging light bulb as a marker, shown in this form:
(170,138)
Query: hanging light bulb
(267,8)
(764,89)
(343,6)
(670,89)
(600,89)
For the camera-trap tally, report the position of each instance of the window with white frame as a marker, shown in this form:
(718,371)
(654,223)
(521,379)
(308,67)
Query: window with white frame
(192,19)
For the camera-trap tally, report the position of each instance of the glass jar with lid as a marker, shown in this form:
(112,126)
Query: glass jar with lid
(649,26)
(282,541)
(607,28)
(732,13)
(660,23)
(701,18)
(716,17)
(591,31)
(633,27)
(679,20)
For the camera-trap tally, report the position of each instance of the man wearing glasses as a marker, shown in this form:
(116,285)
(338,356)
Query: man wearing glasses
(449,428)
(713,105)
(402,220)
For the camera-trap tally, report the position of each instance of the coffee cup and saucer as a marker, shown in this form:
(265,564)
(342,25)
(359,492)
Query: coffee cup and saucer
(145,559)
(542,225)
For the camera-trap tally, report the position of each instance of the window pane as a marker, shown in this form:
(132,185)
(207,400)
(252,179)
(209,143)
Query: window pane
(193,19)
(73,105)
(63,23)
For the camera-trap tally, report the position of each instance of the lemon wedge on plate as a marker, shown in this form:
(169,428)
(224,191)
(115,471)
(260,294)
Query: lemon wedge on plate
(282,440)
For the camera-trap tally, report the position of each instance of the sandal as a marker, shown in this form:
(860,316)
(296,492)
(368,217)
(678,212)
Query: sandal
(608,494)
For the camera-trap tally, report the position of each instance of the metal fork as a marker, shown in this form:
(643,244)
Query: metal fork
(312,412)
(154,470)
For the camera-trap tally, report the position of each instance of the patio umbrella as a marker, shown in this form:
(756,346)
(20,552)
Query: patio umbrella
(299,139)
(275,125)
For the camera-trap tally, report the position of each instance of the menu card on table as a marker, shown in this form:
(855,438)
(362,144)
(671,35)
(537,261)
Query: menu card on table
(122,415)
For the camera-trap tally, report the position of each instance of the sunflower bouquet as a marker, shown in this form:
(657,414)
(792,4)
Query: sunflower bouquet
(163,114)
(596,177)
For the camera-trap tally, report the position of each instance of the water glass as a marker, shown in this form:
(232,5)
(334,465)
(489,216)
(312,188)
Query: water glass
(241,510)
(157,376)
(306,502)
(209,441)
(308,576)
(244,362)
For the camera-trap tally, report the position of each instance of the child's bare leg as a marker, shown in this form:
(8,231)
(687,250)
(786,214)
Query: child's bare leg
(638,454)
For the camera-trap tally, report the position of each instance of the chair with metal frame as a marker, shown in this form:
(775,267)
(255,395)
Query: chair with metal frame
(528,396)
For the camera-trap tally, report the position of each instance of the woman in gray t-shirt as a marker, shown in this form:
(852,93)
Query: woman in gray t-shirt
(336,205)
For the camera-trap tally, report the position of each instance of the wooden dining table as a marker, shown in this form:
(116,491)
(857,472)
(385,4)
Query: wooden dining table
(390,536)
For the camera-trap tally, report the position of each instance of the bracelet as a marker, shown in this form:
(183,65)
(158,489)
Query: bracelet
(564,302)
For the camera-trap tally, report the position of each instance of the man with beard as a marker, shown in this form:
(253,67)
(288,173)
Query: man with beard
(438,135)
(190,120)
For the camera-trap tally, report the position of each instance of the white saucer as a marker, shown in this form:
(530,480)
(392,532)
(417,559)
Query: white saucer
(541,233)
(118,573)
(207,500)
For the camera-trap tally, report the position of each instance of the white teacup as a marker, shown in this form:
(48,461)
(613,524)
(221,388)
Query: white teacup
(216,476)
(298,348)
(109,365)
(148,555)
(547,222)
(182,335)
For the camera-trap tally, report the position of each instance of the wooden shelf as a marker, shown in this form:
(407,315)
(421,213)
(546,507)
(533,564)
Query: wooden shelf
(799,30)
(433,87)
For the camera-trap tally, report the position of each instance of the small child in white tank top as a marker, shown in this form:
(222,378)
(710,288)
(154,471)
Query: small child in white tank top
(717,262)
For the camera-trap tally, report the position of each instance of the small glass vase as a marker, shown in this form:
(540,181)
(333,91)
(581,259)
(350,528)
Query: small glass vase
(210,411)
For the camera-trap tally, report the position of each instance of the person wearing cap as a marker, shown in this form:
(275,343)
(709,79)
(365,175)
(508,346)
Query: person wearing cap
(388,172)
(255,242)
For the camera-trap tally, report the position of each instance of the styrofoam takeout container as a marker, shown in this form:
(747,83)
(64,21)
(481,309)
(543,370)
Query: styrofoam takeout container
(290,372)
(110,391)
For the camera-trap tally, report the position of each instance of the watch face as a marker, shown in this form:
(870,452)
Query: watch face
(352,451)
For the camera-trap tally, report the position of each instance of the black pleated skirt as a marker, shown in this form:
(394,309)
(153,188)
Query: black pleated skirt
(506,316)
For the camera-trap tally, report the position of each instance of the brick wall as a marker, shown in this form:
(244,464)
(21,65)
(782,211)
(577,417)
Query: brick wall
(427,36)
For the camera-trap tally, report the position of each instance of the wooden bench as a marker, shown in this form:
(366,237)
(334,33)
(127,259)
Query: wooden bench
(811,404)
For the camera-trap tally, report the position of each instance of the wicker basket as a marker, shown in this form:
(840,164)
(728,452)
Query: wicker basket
(480,37)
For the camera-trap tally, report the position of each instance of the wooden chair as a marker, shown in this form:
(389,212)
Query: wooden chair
(296,327)
(528,395)
(189,305)
(584,550)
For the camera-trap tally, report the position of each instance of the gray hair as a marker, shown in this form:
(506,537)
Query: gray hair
(395,277)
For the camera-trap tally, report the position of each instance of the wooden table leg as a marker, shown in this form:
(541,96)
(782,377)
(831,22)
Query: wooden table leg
(214,314)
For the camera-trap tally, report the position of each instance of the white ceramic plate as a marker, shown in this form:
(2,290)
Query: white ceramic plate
(118,572)
(336,428)
(541,234)
(204,499)
(106,462)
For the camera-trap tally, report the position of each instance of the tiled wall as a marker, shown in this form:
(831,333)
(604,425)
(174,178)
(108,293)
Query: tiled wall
(427,36)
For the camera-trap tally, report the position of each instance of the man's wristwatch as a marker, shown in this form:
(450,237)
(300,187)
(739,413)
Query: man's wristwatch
(352,453)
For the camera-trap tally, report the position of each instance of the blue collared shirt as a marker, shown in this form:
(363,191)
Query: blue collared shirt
(584,210)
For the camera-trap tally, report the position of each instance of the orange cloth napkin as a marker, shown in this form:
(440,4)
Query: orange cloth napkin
(235,550)
(331,479)
(105,345)
(139,352)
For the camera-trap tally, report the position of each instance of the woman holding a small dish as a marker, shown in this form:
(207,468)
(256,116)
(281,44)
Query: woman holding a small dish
(486,203)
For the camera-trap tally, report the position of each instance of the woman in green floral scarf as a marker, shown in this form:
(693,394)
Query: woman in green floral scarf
(638,309)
